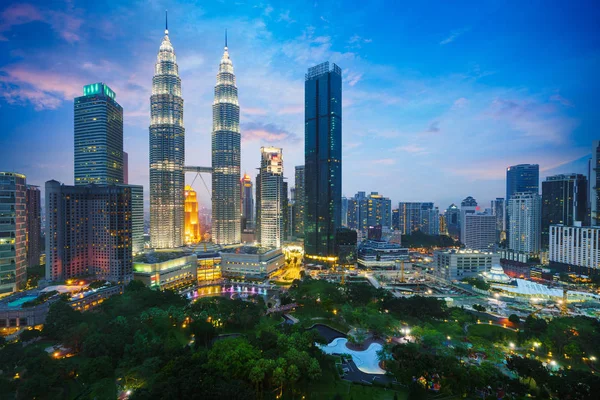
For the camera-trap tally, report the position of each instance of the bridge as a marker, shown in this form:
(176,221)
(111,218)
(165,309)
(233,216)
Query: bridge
(198,171)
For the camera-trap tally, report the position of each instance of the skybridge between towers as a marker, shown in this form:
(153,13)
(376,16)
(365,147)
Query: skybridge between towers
(198,171)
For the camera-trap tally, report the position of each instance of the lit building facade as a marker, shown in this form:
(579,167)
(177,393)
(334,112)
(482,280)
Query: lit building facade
(247,203)
(430,221)
(89,231)
(323,160)
(98,122)
(564,201)
(454,265)
(594,185)
(34,225)
(299,202)
(251,262)
(270,198)
(164,270)
(411,216)
(525,218)
(380,254)
(226,219)
(575,248)
(480,232)
(522,178)
(167,152)
(13,226)
(192,224)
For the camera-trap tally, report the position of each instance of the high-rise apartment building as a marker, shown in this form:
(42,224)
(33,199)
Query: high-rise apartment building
(395,219)
(345,211)
(430,220)
(409,218)
(13,232)
(323,160)
(137,218)
(299,201)
(247,203)
(374,210)
(226,219)
(167,151)
(480,231)
(192,223)
(574,248)
(98,122)
(564,201)
(499,211)
(285,210)
(524,233)
(467,206)
(269,197)
(595,184)
(89,231)
(34,225)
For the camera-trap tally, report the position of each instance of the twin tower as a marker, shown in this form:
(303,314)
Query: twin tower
(167,154)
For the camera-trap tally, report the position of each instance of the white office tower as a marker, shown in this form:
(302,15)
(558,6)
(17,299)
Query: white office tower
(525,217)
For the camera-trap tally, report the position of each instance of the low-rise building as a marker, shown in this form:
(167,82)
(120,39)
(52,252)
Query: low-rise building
(251,262)
(459,264)
(380,254)
(166,270)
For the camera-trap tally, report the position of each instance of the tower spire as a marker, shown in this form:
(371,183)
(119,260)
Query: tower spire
(166,22)
(225,37)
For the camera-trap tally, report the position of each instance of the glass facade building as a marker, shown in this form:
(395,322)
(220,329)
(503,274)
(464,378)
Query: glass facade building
(226,219)
(167,152)
(270,190)
(98,123)
(594,186)
(247,203)
(13,229)
(323,160)
(564,201)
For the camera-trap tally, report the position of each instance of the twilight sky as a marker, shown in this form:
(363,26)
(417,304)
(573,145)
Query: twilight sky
(439,96)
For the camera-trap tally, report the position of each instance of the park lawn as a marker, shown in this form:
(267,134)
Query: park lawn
(492,333)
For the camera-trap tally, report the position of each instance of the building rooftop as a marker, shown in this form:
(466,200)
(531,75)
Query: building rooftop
(247,250)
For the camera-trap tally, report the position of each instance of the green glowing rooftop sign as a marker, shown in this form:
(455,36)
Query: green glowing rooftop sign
(98,88)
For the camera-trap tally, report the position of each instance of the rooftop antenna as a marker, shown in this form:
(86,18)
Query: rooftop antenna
(166,22)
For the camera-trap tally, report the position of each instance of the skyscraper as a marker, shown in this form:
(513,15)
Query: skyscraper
(323,160)
(409,218)
(226,220)
(89,230)
(595,184)
(430,221)
(522,178)
(167,151)
(125,168)
(499,211)
(480,231)
(524,233)
(98,122)
(453,221)
(345,211)
(373,210)
(192,224)
(270,191)
(467,206)
(13,228)
(299,203)
(247,205)
(564,201)
(34,225)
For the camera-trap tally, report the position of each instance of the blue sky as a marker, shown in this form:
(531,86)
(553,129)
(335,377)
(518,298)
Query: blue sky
(439,97)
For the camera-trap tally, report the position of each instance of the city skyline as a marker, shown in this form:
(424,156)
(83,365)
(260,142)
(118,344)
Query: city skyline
(508,117)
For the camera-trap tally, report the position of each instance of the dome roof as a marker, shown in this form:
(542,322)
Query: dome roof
(496,274)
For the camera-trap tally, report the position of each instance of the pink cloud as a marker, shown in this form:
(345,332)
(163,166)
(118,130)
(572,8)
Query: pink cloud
(65,24)
(17,14)
(266,133)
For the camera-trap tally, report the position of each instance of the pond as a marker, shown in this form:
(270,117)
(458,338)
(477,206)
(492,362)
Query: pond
(366,360)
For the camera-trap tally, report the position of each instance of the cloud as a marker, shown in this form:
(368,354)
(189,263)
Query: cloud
(64,23)
(533,119)
(453,36)
(356,41)
(352,77)
(254,111)
(412,148)
(384,161)
(558,98)
(324,19)
(434,127)
(460,103)
(266,133)
(17,14)
(285,17)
